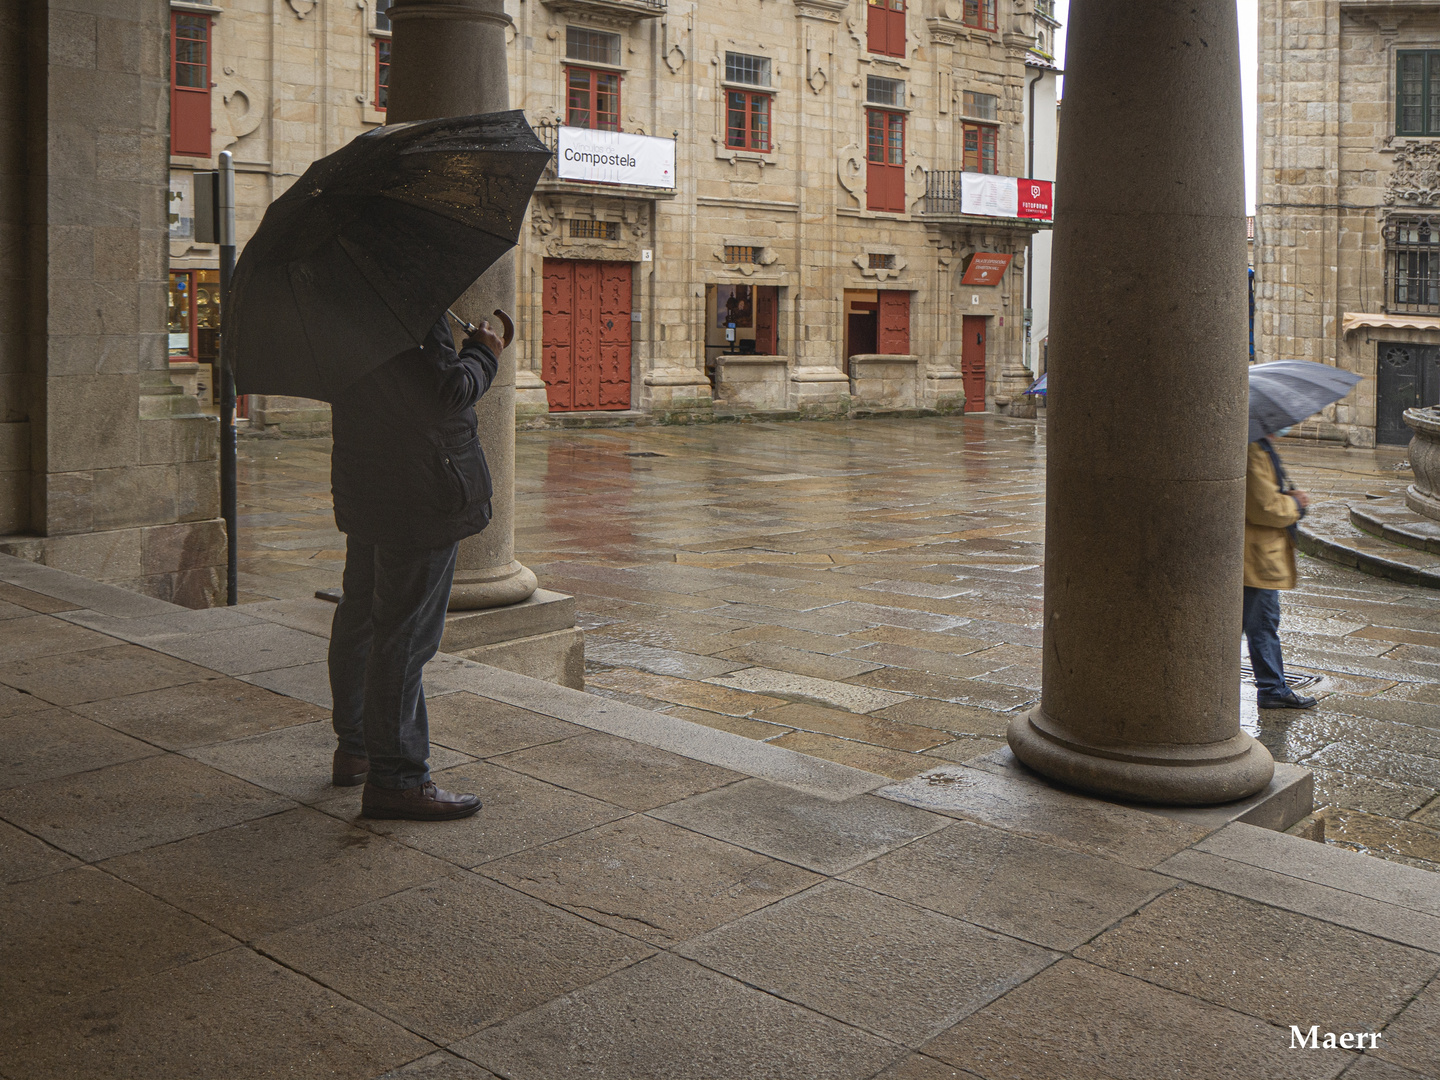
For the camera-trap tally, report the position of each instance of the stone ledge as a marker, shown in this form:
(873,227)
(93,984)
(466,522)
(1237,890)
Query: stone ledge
(1392,519)
(1327,533)
(543,612)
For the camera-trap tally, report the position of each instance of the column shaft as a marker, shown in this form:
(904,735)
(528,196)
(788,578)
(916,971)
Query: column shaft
(1145,483)
(448,59)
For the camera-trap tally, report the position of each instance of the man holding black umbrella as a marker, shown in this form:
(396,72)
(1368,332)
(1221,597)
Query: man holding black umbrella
(409,482)
(1272,508)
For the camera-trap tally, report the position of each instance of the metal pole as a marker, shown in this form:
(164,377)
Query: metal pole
(226,379)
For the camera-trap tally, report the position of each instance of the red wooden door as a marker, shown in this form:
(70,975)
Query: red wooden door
(767,338)
(894,324)
(972,362)
(585,339)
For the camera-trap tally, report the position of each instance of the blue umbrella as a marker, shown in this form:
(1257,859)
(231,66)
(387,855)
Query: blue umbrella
(1038,386)
(1284,392)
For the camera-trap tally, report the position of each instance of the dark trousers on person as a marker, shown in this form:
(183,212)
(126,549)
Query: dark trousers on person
(1262,632)
(388,625)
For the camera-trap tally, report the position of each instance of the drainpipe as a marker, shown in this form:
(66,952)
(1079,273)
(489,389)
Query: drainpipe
(1030,243)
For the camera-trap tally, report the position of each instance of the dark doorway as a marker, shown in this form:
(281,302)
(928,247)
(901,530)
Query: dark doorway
(862,335)
(1407,377)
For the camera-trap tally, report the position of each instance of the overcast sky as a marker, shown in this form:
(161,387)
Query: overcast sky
(1249,29)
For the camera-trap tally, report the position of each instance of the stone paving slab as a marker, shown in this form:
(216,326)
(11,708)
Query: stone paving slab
(643,896)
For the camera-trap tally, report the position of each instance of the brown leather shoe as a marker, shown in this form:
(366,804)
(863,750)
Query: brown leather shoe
(424,803)
(349,770)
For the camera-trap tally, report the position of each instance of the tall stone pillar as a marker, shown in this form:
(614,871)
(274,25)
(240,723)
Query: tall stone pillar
(448,59)
(1145,484)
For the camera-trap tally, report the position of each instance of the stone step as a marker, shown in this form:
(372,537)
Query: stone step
(1390,519)
(1327,532)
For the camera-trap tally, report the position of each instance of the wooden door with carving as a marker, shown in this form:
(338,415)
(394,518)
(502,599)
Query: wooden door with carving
(972,361)
(585,339)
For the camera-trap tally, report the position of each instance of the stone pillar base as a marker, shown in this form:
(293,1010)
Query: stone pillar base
(537,637)
(945,390)
(557,657)
(492,587)
(819,390)
(531,401)
(1175,775)
(182,563)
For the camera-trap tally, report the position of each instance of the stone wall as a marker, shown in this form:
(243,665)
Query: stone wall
(1330,162)
(296,80)
(106,468)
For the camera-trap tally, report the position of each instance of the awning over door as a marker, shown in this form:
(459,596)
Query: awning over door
(1355,320)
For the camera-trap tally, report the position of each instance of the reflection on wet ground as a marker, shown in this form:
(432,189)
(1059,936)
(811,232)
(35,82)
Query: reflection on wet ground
(870,592)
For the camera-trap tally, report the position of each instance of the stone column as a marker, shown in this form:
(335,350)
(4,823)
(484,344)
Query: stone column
(1147,428)
(448,59)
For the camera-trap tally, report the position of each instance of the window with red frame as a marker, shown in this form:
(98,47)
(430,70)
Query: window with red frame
(592,99)
(747,120)
(885,30)
(979,14)
(382,73)
(885,161)
(189,84)
(979,156)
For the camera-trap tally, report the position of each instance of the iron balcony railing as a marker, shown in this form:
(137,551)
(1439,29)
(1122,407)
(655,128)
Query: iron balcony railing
(942,191)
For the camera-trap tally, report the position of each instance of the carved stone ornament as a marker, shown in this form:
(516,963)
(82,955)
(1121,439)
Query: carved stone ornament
(1416,179)
(825,10)
(244,109)
(880,273)
(302,7)
(767,258)
(850,168)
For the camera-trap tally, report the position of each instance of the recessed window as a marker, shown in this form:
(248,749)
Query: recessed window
(382,14)
(885,161)
(880,91)
(979,14)
(585,229)
(592,46)
(981,106)
(1417,92)
(881,262)
(382,73)
(741,253)
(1412,264)
(747,121)
(979,154)
(742,68)
(592,99)
(190,84)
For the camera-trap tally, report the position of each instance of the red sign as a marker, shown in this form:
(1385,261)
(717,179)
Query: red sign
(985,268)
(1037,199)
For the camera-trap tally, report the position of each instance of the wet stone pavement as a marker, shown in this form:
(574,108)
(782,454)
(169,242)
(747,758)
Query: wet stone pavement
(869,592)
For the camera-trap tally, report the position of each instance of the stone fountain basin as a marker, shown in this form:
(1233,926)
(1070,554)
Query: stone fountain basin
(1423,496)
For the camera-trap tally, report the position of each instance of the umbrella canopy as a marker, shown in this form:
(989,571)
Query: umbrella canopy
(359,259)
(1038,386)
(1284,392)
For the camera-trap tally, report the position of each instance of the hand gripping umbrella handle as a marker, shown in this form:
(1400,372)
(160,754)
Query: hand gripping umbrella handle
(507,325)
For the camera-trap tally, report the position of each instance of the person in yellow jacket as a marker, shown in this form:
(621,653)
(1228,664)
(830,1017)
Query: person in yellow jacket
(1272,507)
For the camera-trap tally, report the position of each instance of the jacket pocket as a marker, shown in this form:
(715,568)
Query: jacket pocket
(459,468)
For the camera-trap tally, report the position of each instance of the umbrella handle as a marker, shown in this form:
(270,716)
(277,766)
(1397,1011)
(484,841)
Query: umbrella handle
(507,324)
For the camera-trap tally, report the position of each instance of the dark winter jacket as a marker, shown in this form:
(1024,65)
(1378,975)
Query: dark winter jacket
(407,468)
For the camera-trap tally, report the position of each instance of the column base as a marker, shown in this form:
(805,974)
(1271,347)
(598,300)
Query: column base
(537,637)
(492,588)
(1173,775)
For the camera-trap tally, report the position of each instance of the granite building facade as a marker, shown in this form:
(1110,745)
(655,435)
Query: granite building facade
(1348,218)
(819,147)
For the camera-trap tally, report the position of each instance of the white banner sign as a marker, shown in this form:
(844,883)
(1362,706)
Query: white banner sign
(613,157)
(989,196)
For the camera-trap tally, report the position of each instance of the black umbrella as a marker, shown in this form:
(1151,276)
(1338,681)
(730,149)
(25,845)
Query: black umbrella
(1284,392)
(359,259)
